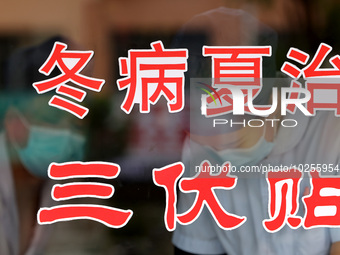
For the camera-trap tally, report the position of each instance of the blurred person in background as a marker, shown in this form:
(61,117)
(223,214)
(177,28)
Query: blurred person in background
(249,146)
(32,136)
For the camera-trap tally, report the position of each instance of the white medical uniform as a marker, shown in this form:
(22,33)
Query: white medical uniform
(315,140)
(9,221)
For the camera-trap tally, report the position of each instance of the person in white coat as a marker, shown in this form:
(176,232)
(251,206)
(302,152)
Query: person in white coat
(25,153)
(314,140)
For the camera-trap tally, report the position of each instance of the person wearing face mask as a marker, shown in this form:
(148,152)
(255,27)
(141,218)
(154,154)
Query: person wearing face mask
(32,136)
(25,154)
(314,140)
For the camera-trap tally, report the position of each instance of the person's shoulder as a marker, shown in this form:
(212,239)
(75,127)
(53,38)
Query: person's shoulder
(324,123)
(323,127)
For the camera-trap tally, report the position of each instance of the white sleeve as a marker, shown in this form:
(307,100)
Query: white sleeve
(335,234)
(200,236)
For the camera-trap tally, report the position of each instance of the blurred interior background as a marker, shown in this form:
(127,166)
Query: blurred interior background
(138,142)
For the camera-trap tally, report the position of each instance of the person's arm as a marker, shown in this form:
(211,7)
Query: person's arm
(335,248)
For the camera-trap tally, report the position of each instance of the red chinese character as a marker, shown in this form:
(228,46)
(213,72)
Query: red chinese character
(70,63)
(167,177)
(283,200)
(235,66)
(204,185)
(151,74)
(325,93)
(297,55)
(111,217)
(323,203)
(313,69)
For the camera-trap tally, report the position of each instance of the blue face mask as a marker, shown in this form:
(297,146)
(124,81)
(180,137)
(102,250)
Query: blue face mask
(194,154)
(249,156)
(237,157)
(47,145)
